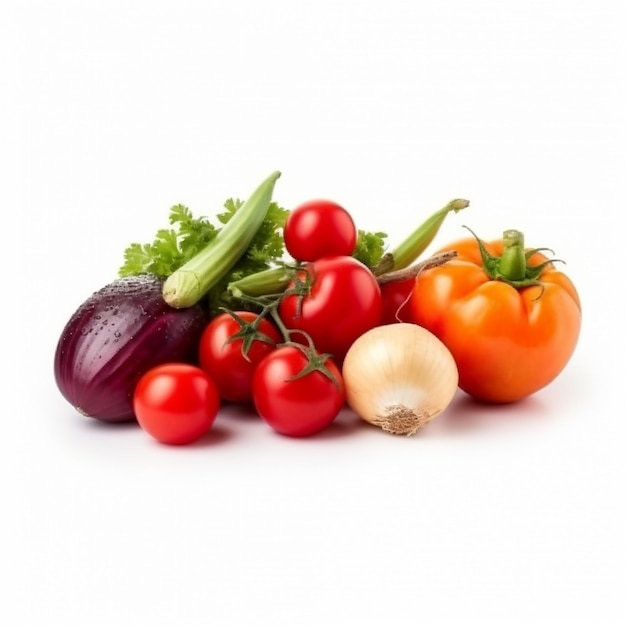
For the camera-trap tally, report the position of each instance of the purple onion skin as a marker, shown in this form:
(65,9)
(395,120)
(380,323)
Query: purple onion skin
(116,336)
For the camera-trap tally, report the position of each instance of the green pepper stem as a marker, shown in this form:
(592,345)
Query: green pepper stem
(415,244)
(512,265)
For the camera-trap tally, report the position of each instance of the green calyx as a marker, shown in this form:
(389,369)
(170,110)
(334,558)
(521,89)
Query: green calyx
(248,333)
(315,362)
(513,267)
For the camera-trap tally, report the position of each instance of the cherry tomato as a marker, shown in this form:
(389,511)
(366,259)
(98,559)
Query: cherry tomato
(509,339)
(292,405)
(176,403)
(317,229)
(396,301)
(231,346)
(342,302)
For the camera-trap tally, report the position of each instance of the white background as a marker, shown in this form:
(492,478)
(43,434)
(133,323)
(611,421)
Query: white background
(113,111)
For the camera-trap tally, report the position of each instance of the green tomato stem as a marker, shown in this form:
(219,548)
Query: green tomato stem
(315,361)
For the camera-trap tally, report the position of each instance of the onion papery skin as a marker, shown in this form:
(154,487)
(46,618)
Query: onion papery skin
(116,336)
(398,377)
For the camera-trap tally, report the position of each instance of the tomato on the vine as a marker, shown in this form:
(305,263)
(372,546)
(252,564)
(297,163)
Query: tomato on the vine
(231,346)
(510,319)
(335,300)
(176,403)
(319,228)
(298,393)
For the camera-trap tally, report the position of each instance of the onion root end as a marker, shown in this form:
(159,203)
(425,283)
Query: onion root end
(399,419)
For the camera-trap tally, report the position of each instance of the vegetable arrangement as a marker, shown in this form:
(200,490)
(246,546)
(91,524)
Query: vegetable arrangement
(299,313)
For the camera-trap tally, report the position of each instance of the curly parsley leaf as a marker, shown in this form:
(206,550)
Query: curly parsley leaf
(194,234)
(370,247)
(171,247)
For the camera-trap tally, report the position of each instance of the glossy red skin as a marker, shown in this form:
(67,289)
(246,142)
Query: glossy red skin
(317,229)
(224,360)
(176,403)
(397,301)
(344,302)
(301,407)
(114,337)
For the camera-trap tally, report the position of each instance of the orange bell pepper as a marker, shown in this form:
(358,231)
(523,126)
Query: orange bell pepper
(509,318)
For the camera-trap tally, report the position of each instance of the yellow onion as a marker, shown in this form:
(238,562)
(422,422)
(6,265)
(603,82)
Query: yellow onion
(399,377)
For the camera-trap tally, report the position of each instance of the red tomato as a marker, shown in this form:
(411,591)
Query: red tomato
(396,301)
(176,403)
(343,302)
(231,348)
(319,228)
(302,406)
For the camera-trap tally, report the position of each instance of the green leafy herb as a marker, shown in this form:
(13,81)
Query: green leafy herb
(171,247)
(370,247)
